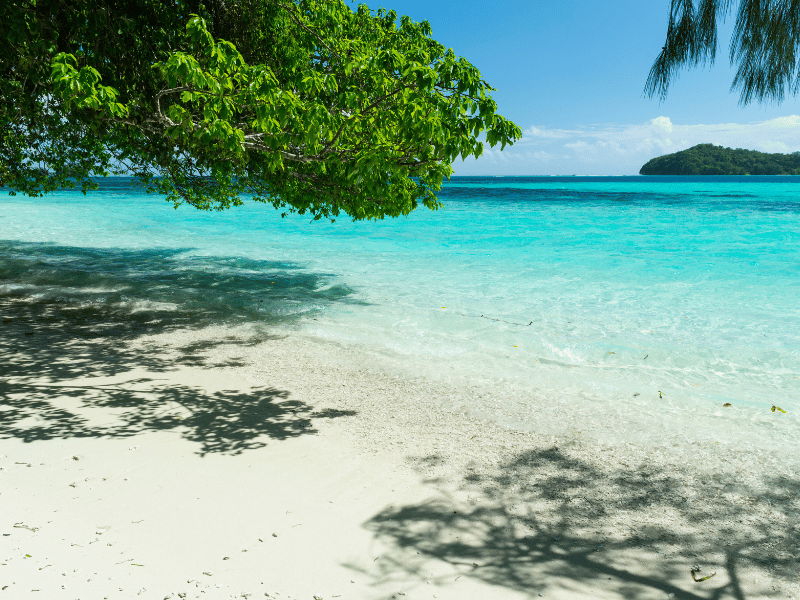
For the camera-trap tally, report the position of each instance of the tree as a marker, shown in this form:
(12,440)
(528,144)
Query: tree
(707,159)
(304,104)
(765,42)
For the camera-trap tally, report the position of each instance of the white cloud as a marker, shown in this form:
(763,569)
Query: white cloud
(662,124)
(784,122)
(540,155)
(623,149)
(533,132)
(774,146)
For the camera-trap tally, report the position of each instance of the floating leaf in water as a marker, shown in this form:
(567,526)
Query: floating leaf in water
(774,408)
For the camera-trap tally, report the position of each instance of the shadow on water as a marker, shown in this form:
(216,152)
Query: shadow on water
(72,314)
(547,522)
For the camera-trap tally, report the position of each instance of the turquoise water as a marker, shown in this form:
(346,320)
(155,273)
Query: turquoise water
(624,307)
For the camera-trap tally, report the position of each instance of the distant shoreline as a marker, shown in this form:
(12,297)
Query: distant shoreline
(707,159)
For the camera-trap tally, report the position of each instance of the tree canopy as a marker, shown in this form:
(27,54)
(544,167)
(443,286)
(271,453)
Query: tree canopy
(708,159)
(305,104)
(764,45)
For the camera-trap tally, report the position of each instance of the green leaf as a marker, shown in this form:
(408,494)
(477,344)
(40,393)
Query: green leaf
(309,106)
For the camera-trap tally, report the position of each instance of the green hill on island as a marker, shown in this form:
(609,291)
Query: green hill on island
(708,159)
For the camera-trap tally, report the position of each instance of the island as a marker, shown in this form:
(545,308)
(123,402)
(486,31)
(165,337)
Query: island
(708,159)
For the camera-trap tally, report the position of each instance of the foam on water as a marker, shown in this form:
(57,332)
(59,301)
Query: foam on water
(626,308)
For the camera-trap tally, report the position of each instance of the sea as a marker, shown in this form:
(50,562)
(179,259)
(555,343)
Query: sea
(656,311)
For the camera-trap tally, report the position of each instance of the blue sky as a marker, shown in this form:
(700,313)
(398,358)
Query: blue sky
(570,73)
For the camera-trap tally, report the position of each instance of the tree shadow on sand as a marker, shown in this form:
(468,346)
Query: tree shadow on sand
(68,315)
(549,522)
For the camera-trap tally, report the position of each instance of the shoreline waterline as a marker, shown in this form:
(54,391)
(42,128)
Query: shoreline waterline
(630,309)
(390,483)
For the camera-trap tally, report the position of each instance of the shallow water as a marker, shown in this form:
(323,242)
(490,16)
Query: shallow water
(628,308)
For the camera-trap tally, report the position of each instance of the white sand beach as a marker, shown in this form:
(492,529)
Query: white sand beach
(226,463)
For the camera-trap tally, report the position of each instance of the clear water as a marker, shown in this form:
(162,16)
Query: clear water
(628,308)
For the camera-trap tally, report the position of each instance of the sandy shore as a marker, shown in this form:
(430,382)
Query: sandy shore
(164,462)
